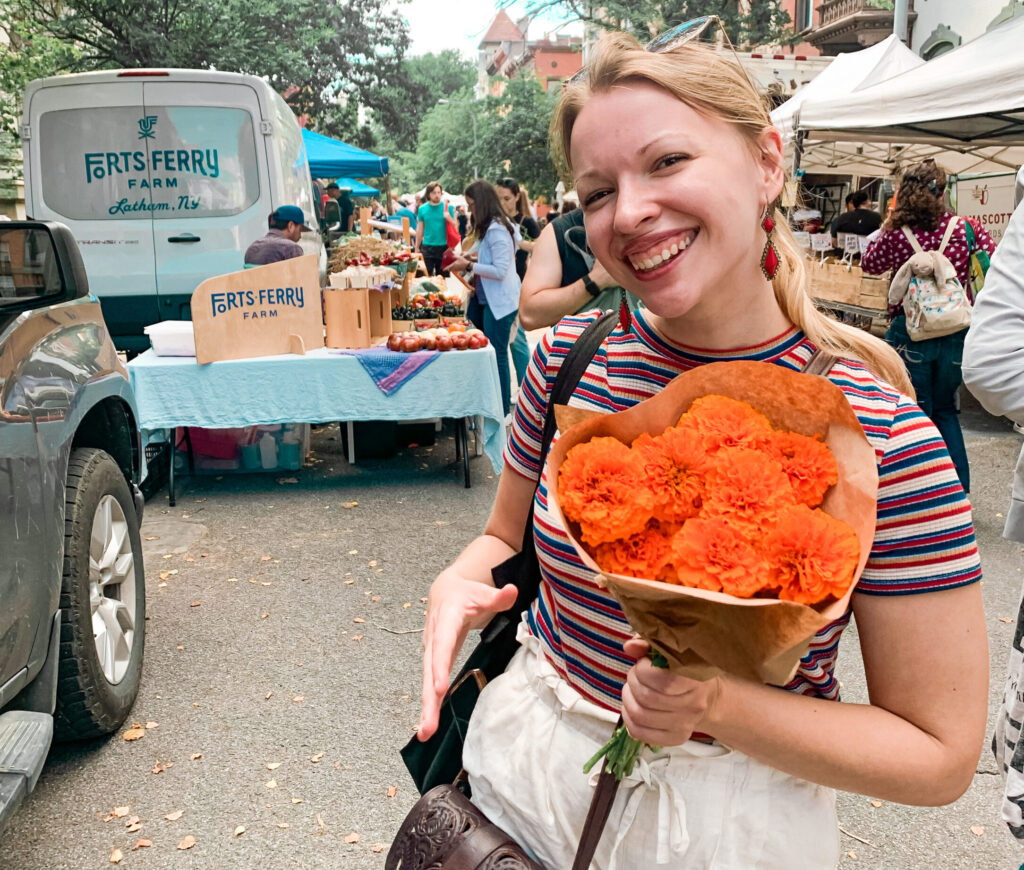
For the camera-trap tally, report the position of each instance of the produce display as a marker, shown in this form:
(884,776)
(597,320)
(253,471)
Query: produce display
(370,251)
(443,338)
(429,304)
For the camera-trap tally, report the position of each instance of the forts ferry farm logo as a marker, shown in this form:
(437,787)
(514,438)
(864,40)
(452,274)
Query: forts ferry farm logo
(257,304)
(147,127)
(154,167)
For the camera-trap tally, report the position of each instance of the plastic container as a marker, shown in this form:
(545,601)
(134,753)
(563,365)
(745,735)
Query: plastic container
(172,338)
(251,459)
(268,451)
(290,455)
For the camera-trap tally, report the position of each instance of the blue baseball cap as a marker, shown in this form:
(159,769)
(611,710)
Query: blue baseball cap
(285,213)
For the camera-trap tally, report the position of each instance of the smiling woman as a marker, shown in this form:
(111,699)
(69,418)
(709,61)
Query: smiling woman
(678,171)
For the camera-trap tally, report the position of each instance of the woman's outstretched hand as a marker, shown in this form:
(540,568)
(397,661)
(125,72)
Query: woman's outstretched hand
(455,606)
(659,707)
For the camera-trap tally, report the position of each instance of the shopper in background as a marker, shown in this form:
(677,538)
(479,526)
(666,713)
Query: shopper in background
(994,371)
(517,207)
(934,364)
(496,295)
(856,219)
(431,235)
(563,276)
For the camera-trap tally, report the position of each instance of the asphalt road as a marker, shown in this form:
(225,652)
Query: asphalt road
(282,675)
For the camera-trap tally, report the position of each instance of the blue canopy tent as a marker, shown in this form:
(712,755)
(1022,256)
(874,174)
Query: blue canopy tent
(357,187)
(329,158)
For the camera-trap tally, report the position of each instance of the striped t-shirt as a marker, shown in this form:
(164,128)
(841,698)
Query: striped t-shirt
(924,538)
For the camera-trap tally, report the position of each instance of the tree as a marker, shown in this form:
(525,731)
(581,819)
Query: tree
(319,54)
(515,142)
(759,22)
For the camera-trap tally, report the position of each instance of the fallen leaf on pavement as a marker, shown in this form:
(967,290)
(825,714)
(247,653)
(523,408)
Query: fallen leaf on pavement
(349,582)
(142,843)
(392,790)
(283,825)
(131,829)
(264,615)
(239,830)
(316,758)
(168,555)
(378,847)
(268,696)
(204,555)
(876,804)
(851,854)
(134,734)
(196,756)
(131,820)
(189,558)
(152,537)
(187,843)
(296,800)
(116,857)
(407,605)
(352,838)
(273,765)
(164,575)
(232,580)
(373,563)
(353,552)
(359,619)
(161,766)
(271,783)
(266,558)
(977,830)
(298,699)
(195,603)
(173,817)
(118,813)
(348,505)
(180,647)
(374,598)
(1006,619)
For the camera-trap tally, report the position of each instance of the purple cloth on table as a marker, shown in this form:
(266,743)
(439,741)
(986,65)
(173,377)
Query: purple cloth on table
(388,368)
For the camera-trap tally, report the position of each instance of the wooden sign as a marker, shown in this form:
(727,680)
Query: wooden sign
(364,221)
(406,237)
(263,311)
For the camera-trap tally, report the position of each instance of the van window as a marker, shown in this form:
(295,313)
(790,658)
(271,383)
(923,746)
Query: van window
(292,154)
(161,162)
(28,265)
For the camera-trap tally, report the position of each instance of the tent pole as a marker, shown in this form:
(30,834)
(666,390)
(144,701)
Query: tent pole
(798,150)
(387,193)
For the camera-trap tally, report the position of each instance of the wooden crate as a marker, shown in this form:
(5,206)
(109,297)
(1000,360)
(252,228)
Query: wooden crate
(874,291)
(347,313)
(836,282)
(379,302)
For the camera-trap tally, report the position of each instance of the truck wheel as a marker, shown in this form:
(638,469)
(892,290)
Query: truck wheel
(102,600)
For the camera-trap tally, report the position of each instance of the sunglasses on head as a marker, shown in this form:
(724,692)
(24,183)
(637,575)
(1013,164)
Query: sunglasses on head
(681,34)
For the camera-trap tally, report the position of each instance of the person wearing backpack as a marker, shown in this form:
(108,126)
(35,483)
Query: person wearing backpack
(930,297)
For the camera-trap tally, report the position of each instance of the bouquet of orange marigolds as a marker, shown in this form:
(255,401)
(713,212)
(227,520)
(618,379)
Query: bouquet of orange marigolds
(730,516)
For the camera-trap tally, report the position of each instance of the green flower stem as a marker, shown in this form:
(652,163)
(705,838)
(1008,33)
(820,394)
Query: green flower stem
(621,751)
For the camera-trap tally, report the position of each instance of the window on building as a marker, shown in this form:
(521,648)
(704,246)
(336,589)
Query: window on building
(804,18)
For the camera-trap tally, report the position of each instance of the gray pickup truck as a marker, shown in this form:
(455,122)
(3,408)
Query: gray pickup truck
(72,588)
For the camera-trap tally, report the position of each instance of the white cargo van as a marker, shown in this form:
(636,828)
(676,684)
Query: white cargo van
(164,176)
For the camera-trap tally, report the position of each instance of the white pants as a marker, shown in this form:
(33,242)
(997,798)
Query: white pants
(690,807)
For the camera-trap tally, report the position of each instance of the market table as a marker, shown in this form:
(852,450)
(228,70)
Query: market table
(320,387)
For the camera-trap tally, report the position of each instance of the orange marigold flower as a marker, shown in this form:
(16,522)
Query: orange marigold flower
(674,464)
(813,555)
(747,486)
(808,463)
(601,487)
(715,554)
(643,555)
(725,422)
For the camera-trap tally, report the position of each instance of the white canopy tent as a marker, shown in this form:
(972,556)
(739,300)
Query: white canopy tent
(965,109)
(849,72)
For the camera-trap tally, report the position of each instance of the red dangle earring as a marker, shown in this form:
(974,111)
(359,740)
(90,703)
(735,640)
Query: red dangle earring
(770,256)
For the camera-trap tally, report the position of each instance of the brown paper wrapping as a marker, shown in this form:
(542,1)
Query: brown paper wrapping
(705,633)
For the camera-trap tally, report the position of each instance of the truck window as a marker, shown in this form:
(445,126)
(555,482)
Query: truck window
(160,162)
(292,153)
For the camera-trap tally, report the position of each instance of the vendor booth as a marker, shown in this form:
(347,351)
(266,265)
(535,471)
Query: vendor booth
(329,158)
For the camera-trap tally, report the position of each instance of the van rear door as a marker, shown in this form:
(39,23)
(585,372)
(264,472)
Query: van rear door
(88,168)
(208,172)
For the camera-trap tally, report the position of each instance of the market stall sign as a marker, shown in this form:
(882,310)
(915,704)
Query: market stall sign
(259,312)
(988,200)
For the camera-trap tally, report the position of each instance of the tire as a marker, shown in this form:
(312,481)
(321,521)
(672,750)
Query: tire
(95,691)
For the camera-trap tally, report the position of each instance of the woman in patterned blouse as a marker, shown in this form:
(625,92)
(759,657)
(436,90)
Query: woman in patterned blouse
(934,364)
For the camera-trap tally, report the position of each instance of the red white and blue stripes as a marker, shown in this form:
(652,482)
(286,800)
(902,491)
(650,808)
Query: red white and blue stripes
(924,539)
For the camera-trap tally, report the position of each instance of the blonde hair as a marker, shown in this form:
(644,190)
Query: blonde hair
(716,87)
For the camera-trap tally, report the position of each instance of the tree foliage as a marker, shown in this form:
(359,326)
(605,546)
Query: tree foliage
(319,55)
(763,22)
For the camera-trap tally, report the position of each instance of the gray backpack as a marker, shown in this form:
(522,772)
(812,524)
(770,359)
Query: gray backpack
(934,300)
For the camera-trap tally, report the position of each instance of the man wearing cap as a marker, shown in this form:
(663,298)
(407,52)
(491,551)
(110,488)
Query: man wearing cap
(287,223)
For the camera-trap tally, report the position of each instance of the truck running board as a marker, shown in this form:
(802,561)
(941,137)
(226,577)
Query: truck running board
(24,742)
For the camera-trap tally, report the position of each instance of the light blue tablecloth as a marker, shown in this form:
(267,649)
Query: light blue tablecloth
(320,387)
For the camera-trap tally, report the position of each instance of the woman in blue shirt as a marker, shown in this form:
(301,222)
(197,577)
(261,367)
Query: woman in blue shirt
(496,297)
